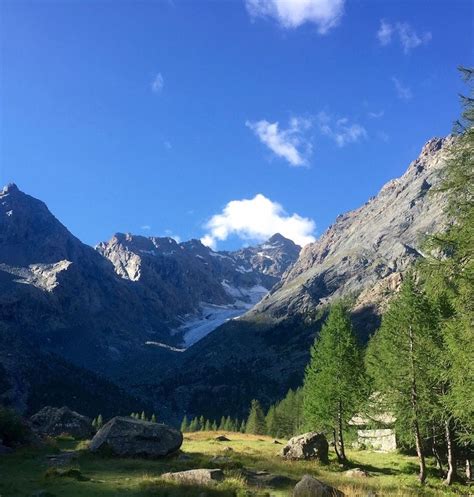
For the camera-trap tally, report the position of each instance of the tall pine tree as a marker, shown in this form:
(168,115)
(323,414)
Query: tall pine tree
(401,360)
(256,420)
(333,385)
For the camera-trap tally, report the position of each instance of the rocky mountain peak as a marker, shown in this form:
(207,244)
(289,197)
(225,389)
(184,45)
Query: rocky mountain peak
(10,188)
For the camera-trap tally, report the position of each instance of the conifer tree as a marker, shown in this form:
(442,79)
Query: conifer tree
(242,426)
(401,359)
(153,418)
(100,421)
(271,422)
(334,378)
(207,426)
(222,424)
(184,425)
(202,423)
(194,425)
(143,417)
(214,426)
(256,420)
(94,423)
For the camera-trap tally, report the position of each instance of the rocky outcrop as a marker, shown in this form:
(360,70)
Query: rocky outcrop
(310,445)
(309,486)
(368,247)
(196,476)
(54,421)
(128,437)
(271,258)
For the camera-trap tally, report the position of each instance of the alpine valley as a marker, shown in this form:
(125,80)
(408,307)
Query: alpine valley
(181,328)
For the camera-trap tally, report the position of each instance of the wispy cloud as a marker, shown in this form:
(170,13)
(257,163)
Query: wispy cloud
(407,36)
(341,130)
(385,32)
(167,145)
(403,92)
(257,219)
(292,143)
(376,115)
(290,14)
(158,83)
(145,227)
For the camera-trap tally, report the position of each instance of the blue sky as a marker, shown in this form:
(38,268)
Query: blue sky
(162,117)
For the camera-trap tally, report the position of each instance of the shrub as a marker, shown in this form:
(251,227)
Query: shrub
(12,427)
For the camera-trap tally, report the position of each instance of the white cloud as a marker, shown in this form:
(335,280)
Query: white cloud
(145,227)
(340,130)
(290,143)
(403,92)
(257,219)
(158,83)
(290,14)
(407,36)
(376,115)
(167,145)
(384,34)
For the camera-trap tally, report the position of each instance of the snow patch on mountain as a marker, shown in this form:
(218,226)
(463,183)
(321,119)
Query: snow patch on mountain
(211,316)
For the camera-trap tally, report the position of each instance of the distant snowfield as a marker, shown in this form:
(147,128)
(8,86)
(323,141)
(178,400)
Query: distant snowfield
(211,316)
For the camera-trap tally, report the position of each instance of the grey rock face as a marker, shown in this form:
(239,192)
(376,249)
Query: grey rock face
(310,445)
(196,476)
(127,437)
(185,275)
(367,247)
(271,258)
(311,487)
(54,421)
(63,295)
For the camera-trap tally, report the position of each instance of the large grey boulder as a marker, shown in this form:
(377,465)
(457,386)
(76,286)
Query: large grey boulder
(310,445)
(310,487)
(128,437)
(196,476)
(54,421)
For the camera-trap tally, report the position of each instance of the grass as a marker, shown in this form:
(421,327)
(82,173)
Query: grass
(26,471)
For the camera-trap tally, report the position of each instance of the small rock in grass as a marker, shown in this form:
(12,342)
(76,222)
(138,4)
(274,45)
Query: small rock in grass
(356,473)
(222,438)
(310,487)
(196,476)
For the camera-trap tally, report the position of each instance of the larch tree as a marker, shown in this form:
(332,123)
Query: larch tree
(333,384)
(402,362)
(256,420)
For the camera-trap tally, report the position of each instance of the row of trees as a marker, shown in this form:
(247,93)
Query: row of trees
(143,416)
(283,419)
(202,424)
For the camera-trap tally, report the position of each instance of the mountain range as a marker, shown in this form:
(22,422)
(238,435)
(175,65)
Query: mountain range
(186,328)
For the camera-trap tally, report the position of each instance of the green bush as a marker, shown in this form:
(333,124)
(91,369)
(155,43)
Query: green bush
(12,428)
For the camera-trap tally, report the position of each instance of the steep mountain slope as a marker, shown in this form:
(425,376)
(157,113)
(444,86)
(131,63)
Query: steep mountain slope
(65,296)
(362,257)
